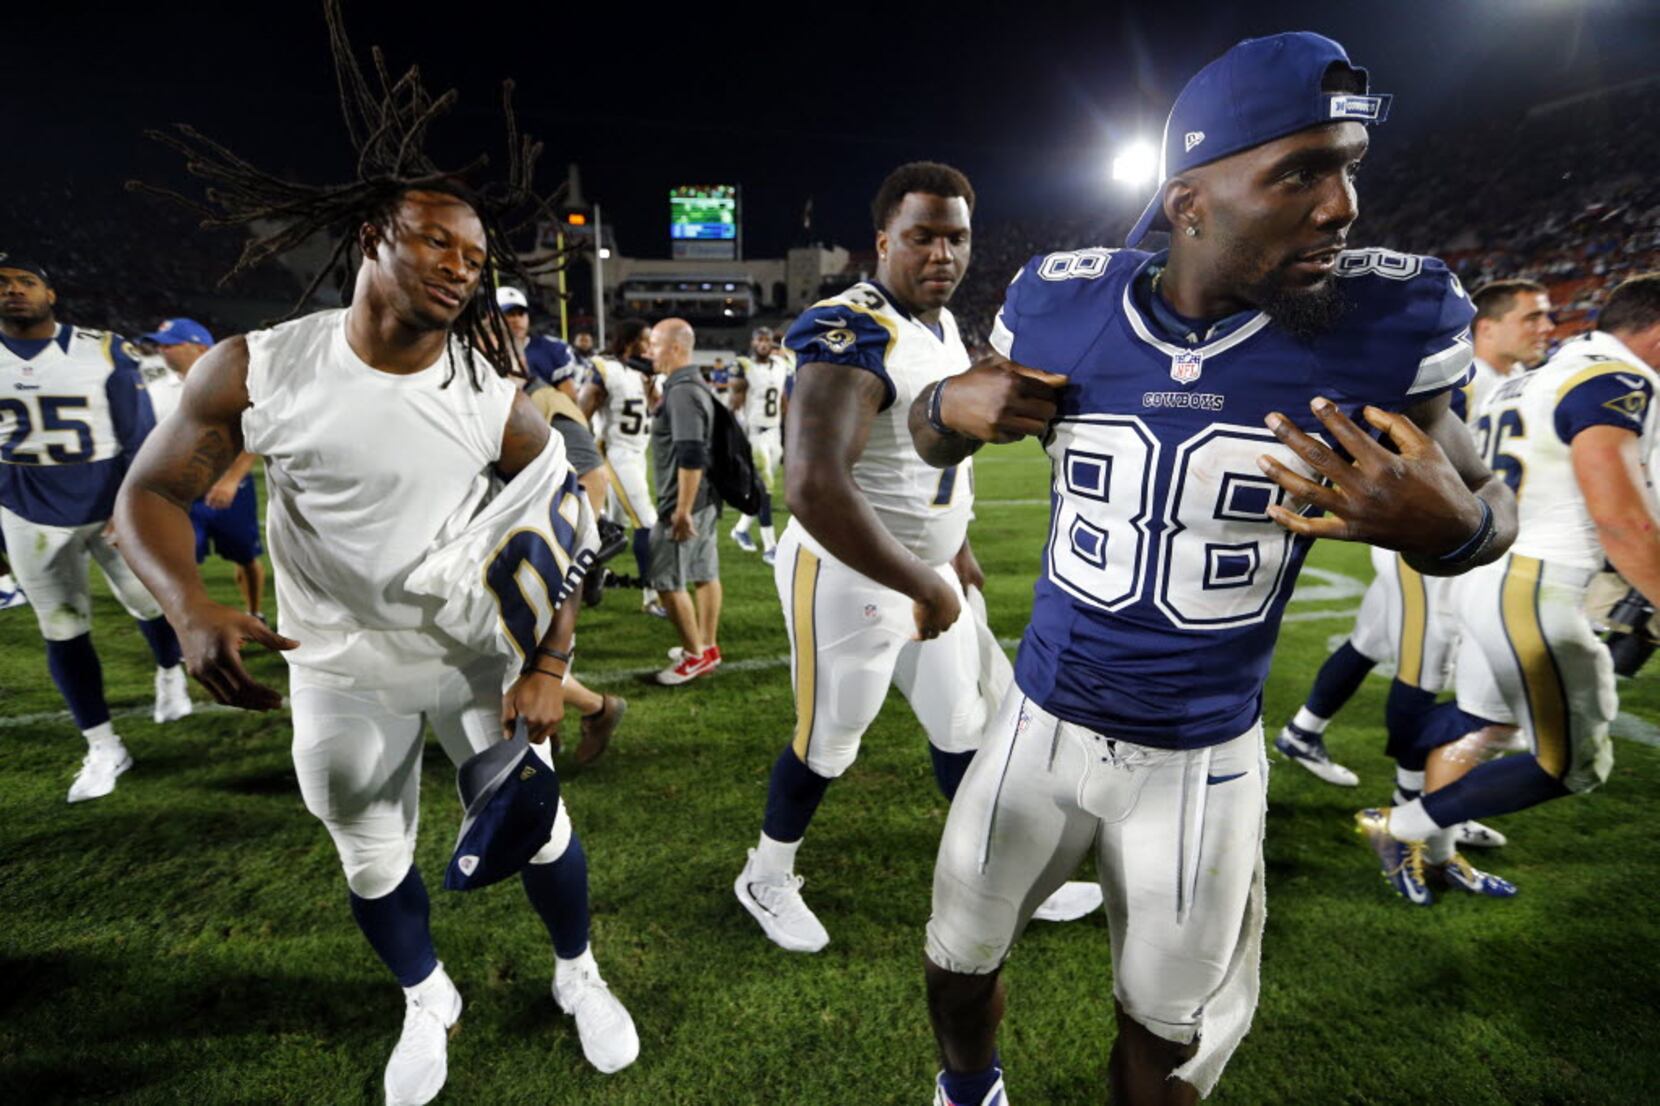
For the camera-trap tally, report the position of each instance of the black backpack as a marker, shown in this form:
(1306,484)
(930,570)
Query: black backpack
(732,464)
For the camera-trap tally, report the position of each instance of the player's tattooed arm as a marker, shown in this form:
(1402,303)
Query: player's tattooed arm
(180,461)
(1430,497)
(523,438)
(996,400)
(829,424)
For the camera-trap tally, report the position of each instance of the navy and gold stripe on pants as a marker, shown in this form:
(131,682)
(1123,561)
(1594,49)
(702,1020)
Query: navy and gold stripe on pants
(804,645)
(1546,696)
(1414,624)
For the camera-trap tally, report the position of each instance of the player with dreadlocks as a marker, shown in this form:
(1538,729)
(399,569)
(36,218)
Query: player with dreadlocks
(356,503)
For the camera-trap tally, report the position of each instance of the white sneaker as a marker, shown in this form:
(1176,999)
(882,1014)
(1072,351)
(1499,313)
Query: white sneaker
(172,695)
(1071,901)
(1475,834)
(98,771)
(420,1064)
(10,594)
(775,902)
(609,1039)
(1309,750)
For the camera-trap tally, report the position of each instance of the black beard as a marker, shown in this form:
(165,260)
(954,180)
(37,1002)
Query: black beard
(1305,314)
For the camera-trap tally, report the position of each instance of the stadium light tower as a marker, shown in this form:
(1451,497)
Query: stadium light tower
(1136,164)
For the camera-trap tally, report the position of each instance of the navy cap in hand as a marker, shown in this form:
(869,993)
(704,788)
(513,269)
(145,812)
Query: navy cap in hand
(1260,90)
(511,796)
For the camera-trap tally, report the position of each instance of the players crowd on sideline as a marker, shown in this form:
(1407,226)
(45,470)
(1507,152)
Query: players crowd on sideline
(1517,471)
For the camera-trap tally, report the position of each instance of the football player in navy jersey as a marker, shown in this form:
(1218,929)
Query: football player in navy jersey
(546,357)
(72,414)
(1214,396)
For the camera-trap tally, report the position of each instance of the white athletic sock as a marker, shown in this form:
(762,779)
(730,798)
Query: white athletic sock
(1308,720)
(768,539)
(744,523)
(1441,846)
(1411,822)
(564,970)
(102,736)
(1409,781)
(648,596)
(775,858)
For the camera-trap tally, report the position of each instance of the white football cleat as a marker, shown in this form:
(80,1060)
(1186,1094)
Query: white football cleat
(420,1064)
(99,770)
(10,594)
(775,902)
(1075,899)
(609,1039)
(1477,835)
(172,695)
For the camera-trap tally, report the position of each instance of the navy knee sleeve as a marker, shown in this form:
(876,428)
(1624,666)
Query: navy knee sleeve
(1404,715)
(949,769)
(1498,787)
(397,926)
(163,642)
(80,678)
(1337,681)
(559,892)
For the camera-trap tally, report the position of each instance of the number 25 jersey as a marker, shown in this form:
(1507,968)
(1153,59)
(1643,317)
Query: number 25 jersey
(1164,577)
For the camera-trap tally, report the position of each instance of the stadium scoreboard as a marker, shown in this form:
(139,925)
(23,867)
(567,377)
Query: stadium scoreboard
(703,221)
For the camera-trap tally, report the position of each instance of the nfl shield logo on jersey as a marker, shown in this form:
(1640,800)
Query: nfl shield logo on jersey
(1186,367)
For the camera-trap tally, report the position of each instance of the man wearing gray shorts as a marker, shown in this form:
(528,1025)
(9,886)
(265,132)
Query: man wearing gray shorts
(683,538)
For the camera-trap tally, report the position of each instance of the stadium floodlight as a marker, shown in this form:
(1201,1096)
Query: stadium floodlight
(1136,164)
(605,253)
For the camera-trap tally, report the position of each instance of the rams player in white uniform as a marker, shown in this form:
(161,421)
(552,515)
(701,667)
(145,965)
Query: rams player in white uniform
(1575,439)
(380,424)
(758,395)
(1408,617)
(72,414)
(619,397)
(872,568)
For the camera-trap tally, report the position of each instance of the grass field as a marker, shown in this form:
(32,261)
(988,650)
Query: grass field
(187,940)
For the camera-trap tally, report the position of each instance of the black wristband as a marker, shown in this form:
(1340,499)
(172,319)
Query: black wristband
(543,650)
(1477,542)
(934,411)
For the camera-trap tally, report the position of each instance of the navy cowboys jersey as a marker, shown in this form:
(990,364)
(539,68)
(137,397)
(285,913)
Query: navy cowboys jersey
(1164,577)
(72,414)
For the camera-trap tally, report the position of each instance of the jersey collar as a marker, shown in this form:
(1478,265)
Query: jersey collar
(937,329)
(1157,323)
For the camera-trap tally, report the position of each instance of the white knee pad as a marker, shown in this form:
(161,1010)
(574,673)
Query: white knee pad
(558,841)
(376,873)
(63,623)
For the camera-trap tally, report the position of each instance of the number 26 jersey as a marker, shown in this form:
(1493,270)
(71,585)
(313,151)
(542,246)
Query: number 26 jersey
(1164,577)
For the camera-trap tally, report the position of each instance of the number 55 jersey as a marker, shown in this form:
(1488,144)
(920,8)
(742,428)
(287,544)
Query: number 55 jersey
(1164,577)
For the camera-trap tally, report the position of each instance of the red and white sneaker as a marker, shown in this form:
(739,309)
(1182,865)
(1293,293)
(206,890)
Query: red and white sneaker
(687,668)
(711,654)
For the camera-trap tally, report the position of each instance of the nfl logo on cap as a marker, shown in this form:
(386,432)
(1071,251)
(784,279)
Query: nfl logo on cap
(1186,367)
(511,797)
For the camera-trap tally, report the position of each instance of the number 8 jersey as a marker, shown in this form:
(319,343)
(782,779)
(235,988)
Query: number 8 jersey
(926,509)
(1164,578)
(72,414)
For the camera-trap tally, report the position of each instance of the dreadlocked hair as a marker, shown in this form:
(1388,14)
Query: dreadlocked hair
(387,122)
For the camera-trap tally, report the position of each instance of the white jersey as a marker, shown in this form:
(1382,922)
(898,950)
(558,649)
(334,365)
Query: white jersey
(764,402)
(72,414)
(500,572)
(626,420)
(1483,379)
(925,508)
(164,385)
(363,468)
(1529,421)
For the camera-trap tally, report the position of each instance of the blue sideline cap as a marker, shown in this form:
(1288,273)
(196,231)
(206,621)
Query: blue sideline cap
(511,796)
(1260,90)
(175,332)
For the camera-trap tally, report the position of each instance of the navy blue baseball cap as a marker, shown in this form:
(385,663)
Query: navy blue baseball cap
(25,265)
(175,332)
(511,796)
(1260,90)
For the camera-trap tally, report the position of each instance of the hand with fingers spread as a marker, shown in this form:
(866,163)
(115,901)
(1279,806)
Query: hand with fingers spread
(539,698)
(1413,501)
(999,401)
(211,637)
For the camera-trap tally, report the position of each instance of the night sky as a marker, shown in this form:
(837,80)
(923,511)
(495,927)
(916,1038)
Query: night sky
(789,101)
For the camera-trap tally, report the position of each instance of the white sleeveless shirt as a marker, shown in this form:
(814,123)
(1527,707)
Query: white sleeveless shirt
(362,470)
